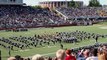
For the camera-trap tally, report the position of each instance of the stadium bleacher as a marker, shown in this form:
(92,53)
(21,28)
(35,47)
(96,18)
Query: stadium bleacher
(28,17)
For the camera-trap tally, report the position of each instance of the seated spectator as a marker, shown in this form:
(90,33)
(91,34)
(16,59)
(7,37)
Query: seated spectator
(69,56)
(102,55)
(80,55)
(17,57)
(38,57)
(11,58)
(94,55)
(86,53)
(60,55)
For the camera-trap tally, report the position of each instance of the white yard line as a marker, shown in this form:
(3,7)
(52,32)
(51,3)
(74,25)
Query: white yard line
(105,27)
(44,54)
(39,48)
(48,54)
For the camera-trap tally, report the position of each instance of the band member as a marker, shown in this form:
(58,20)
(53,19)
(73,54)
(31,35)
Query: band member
(61,46)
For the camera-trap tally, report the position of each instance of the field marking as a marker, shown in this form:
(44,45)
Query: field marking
(48,47)
(98,25)
(43,54)
(48,53)
(39,48)
(24,50)
(105,27)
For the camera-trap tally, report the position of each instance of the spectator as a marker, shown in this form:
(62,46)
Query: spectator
(38,57)
(94,55)
(80,55)
(102,54)
(86,53)
(11,58)
(60,55)
(18,57)
(69,56)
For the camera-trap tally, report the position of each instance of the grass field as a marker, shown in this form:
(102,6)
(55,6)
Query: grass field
(50,51)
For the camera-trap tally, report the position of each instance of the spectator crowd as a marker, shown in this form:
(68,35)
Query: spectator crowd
(83,12)
(26,16)
(29,17)
(92,52)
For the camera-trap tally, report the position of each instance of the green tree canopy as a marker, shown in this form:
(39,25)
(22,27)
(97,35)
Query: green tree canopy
(94,3)
(37,7)
(73,4)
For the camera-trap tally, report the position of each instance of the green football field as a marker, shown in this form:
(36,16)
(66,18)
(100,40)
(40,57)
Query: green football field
(50,50)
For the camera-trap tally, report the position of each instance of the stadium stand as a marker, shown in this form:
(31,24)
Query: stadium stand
(25,16)
(15,16)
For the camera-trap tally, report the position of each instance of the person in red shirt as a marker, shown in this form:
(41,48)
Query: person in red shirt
(69,56)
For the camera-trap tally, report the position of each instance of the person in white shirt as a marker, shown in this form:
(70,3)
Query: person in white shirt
(94,55)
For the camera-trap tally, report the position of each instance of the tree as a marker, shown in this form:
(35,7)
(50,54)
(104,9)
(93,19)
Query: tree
(73,4)
(94,3)
(39,7)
